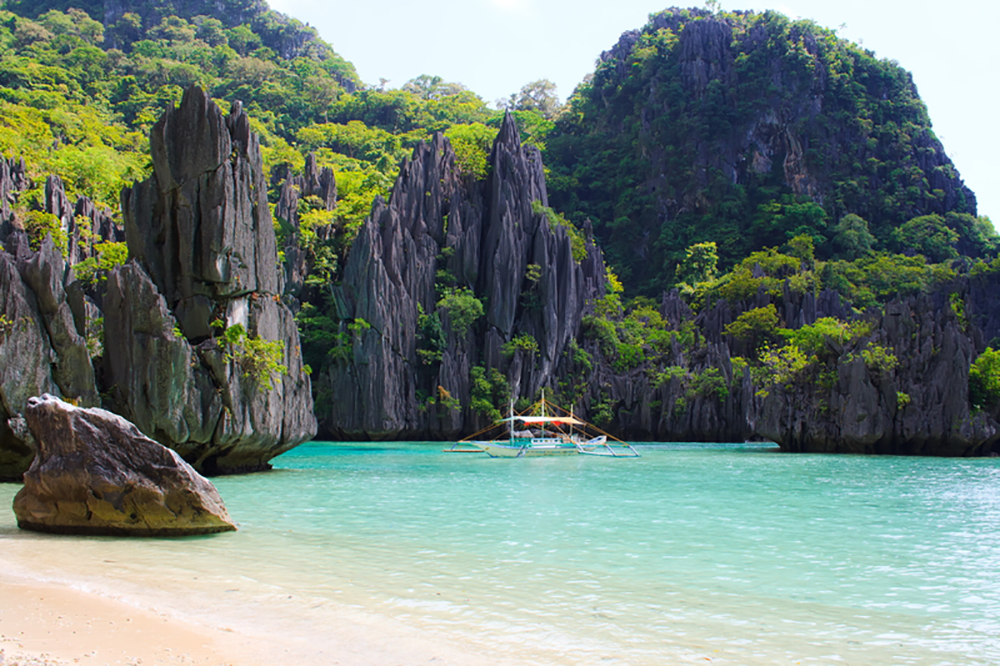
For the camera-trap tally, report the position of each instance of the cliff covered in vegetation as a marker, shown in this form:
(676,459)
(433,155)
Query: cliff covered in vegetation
(748,129)
(798,258)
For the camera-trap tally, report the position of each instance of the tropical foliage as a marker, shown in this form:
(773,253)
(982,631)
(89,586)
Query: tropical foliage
(780,130)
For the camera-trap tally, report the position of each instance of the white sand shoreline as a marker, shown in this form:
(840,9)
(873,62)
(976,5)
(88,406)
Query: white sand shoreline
(51,623)
(46,623)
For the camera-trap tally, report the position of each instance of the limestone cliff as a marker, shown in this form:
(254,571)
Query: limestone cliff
(43,350)
(744,128)
(408,365)
(916,403)
(407,369)
(314,187)
(202,240)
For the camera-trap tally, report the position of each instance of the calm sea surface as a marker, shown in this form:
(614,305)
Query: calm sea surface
(733,554)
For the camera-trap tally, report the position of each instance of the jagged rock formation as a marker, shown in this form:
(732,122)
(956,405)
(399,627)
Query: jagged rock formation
(96,474)
(42,349)
(320,184)
(13,179)
(920,407)
(47,334)
(45,273)
(442,230)
(83,223)
(203,244)
(202,239)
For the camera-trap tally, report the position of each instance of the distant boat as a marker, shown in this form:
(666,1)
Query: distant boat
(536,433)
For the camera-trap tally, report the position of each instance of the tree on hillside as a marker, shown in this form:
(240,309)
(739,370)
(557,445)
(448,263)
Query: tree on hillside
(537,96)
(851,238)
(428,87)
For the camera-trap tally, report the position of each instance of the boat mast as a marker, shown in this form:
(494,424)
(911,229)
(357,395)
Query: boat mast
(544,433)
(510,426)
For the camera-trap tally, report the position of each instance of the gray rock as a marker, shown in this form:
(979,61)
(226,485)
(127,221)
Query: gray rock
(154,376)
(441,229)
(96,474)
(44,273)
(920,407)
(13,181)
(203,240)
(315,182)
(201,224)
(26,359)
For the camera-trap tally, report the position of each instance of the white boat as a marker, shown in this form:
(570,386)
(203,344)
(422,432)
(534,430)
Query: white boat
(538,434)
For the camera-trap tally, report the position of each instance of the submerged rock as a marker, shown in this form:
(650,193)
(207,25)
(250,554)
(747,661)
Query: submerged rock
(95,473)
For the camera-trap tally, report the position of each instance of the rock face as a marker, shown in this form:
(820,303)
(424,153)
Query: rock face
(406,365)
(318,187)
(96,474)
(203,246)
(42,350)
(919,406)
(693,124)
(410,353)
(202,241)
(13,179)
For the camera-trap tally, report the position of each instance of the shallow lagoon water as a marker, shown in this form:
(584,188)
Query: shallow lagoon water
(735,554)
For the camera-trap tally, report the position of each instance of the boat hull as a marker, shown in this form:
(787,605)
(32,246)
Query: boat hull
(507,450)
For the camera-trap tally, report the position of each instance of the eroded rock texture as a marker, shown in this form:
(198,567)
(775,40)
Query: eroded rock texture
(918,406)
(201,236)
(41,349)
(444,231)
(95,473)
(318,188)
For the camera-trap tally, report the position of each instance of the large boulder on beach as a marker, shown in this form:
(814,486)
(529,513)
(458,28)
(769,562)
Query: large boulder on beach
(95,473)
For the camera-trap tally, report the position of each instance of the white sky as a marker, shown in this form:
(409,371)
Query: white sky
(496,46)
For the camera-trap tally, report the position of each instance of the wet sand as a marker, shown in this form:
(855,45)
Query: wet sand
(47,624)
(44,623)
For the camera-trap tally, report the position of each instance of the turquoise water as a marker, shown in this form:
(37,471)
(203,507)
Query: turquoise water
(733,554)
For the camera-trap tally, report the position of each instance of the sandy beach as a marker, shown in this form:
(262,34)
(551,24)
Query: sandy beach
(47,624)
(42,623)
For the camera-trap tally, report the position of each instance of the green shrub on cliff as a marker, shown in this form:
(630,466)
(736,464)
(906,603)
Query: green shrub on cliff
(258,359)
(95,269)
(490,392)
(40,225)
(984,380)
(522,342)
(826,336)
(755,326)
(463,308)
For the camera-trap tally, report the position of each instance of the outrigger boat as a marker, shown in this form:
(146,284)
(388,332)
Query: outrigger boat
(537,433)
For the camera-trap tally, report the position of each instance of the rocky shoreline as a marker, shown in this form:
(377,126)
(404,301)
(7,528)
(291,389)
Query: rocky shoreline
(458,295)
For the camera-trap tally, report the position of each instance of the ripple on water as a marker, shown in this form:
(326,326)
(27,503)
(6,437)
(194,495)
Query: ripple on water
(729,552)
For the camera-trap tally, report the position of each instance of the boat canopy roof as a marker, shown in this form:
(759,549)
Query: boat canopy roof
(544,419)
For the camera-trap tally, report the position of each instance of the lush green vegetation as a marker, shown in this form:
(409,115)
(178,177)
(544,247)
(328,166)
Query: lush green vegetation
(650,156)
(258,359)
(77,98)
(661,160)
(984,380)
(869,281)
(95,269)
